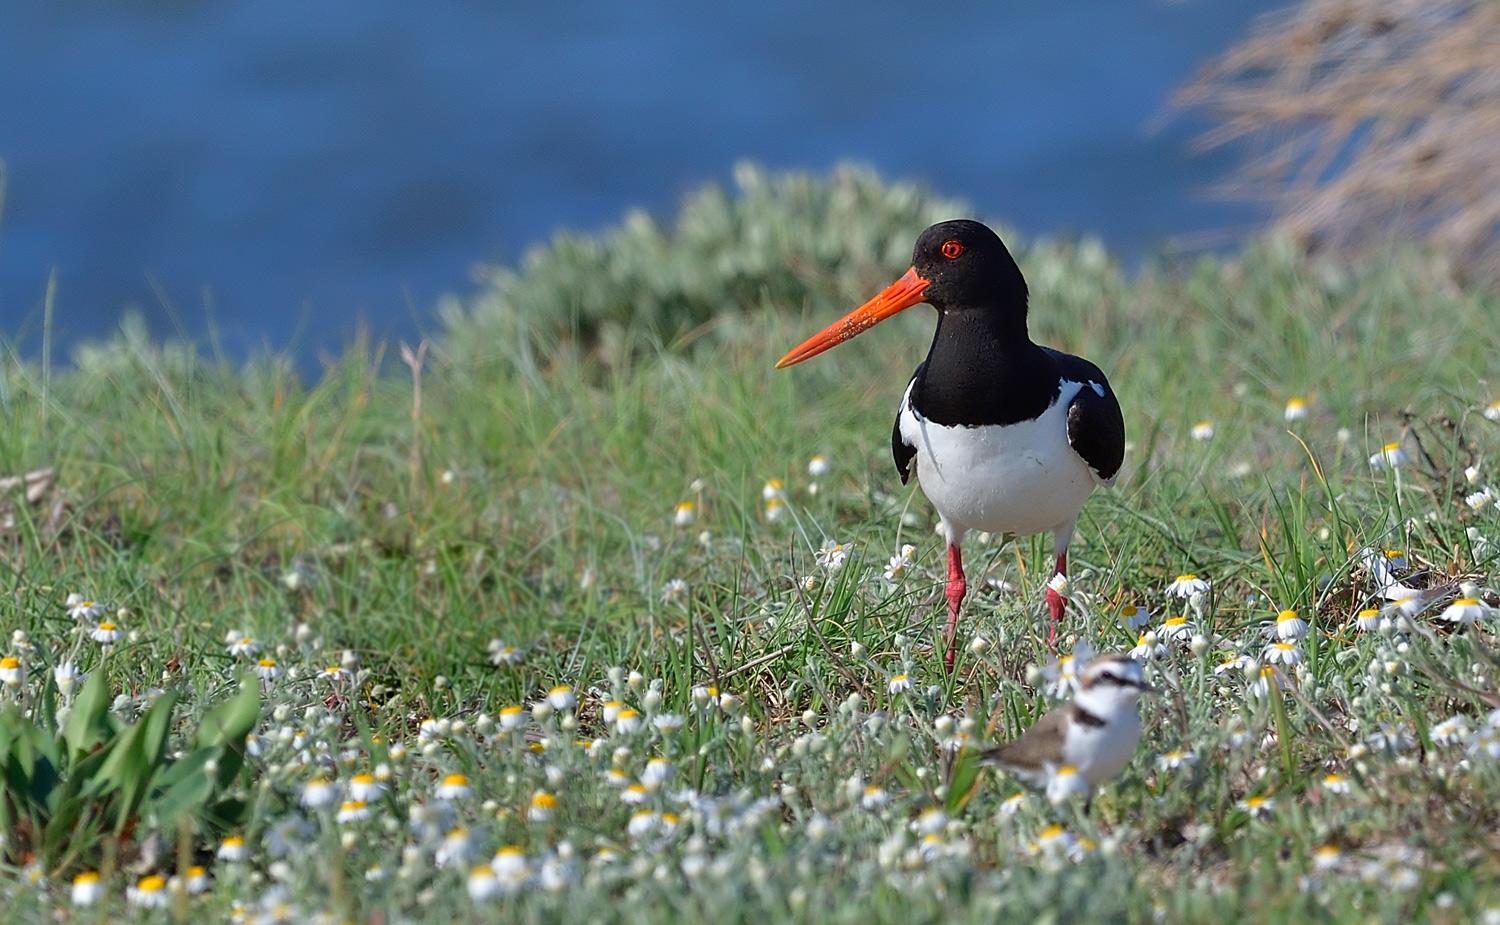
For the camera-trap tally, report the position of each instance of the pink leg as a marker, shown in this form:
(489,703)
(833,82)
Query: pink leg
(956,589)
(1056,603)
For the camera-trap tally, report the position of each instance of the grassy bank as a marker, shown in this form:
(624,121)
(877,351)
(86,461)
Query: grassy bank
(463,540)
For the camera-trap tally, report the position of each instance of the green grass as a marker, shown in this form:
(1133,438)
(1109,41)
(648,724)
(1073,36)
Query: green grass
(530,500)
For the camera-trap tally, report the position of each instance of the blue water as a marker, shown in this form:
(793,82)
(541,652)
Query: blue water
(274,170)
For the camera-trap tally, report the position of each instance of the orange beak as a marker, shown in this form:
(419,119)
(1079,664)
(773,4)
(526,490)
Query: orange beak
(903,293)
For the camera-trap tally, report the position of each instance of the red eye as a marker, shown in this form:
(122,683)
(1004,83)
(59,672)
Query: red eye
(952,249)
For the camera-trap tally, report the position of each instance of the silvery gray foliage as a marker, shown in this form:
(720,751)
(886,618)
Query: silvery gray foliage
(792,242)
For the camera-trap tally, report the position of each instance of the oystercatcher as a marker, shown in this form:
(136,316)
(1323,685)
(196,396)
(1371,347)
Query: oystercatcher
(1006,436)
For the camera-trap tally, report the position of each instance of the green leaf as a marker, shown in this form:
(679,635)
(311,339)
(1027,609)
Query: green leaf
(225,727)
(136,755)
(181,787)
(88,724)
(964,782)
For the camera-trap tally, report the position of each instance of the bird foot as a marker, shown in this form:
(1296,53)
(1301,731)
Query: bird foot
(1056,604)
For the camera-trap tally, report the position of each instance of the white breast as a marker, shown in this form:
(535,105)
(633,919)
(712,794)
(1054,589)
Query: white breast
(1019,478)
(1101,752)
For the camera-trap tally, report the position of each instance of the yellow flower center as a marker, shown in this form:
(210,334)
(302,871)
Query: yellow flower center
(544,801)
(1287,615)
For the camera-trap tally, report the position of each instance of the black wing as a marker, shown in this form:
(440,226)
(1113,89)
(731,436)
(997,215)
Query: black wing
(1096,428)
(902,451)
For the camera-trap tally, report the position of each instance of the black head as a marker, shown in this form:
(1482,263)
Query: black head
(967,266)
(959,268)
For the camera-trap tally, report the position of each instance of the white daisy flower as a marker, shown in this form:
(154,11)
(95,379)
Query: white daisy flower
(667,723)
(1203,430)
(318,793)
(233,850)
(1268,677)
(1235,664)
(1147,647)
(1296,409)
(1290,627)
(1451,731)
(454,787)
(899,564)
(627,722)
(1177,629)
(267,669)
(658,772)
(1134,618)
(511,867)
(874,798)
(685,514)
(1186,586)
(1367,620)
(1065,784)
(674,591)
(1055,840)
(1492,411)
(1283,653)
(562,697)
(149,892)
(365,788)
(1173,760)
(1327,858)
(1391,455)
(1061,675)
(899,684)
(12,671)
(482,884)
(352,811)
(83,611)
(832,555)
(1257,806)
(105,634)
(773,490)
(818,465)
(87,888)
(542,806)
(1337,783)
(242,645)
(502,654)
(1465,611)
